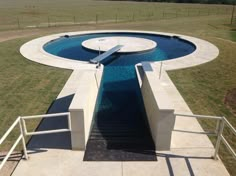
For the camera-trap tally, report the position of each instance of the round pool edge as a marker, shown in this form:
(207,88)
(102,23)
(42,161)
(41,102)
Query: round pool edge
(33,50)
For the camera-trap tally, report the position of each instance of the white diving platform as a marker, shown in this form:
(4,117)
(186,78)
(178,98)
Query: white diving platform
(106,54)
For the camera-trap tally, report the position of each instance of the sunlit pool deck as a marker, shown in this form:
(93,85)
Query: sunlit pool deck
(190,153)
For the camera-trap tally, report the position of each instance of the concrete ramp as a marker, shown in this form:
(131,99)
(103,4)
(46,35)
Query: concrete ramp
(106,54)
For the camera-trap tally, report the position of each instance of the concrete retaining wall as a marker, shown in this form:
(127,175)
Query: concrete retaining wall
(159,109)
(82,107)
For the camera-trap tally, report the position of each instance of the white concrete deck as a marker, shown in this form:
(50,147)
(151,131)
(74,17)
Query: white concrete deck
(130,44)
(190,153)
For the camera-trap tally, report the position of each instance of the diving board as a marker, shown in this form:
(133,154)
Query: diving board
(106,54)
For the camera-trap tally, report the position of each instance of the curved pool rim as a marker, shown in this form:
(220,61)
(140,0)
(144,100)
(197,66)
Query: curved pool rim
(34,51)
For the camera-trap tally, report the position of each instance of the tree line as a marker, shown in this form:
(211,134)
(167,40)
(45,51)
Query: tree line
(188,1)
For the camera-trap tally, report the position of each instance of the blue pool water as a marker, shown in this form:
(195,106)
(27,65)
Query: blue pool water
(120,116)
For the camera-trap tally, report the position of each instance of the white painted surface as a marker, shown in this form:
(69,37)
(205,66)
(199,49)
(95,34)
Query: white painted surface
(130,44)
(159,108)
(82,108)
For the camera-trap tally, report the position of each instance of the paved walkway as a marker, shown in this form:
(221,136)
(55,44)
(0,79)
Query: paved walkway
(190,153)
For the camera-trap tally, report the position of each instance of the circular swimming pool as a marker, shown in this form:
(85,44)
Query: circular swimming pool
(153,47)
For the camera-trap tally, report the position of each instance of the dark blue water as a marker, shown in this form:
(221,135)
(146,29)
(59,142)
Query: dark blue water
(120,131)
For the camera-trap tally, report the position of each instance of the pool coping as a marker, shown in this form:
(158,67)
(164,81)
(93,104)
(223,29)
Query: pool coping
(33,50)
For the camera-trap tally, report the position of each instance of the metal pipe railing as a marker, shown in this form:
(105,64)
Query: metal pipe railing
(221,123)
(10,151)
(231,150)
(9,130)
(219,135)
(229,125)
(46,131)
(24,132)
(46,115)
(23,139)
(20,138)
(199,116)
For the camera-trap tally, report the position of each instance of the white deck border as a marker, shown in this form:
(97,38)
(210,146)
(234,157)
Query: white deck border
(33,50)
(130,44)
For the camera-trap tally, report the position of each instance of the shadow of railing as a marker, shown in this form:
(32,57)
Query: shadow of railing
(55,140)
(168,158)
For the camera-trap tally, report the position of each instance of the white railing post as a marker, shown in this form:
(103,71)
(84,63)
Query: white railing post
(69,121)
(23,138)
(217,126)
(23,132)
(160,72)
(219,134)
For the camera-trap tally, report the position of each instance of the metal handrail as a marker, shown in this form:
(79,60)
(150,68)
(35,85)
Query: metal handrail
(199,116)
(229,125)
(230,149)
(24,132)
(215,132)
(20,138)
(9,130)
(221,122)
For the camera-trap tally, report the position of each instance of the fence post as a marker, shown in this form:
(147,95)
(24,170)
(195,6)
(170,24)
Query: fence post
(74,19)
(48,21)
(133,16)
(18,22)
(232,17)
(96,18)
(116,18)
(219,134)
(22,131)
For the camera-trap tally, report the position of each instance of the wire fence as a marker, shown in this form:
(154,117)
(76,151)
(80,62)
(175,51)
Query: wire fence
(37,21)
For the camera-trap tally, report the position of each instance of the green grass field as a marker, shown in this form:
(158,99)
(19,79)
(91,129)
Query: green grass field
(25,13)
(234,36)
(28,88)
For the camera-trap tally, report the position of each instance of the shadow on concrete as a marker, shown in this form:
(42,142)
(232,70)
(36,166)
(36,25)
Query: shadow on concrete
(186,158)
(56,140)
(16,156)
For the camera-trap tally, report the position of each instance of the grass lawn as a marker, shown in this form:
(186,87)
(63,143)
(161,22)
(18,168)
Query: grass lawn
(234,36)
(28,88)
(25,13)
